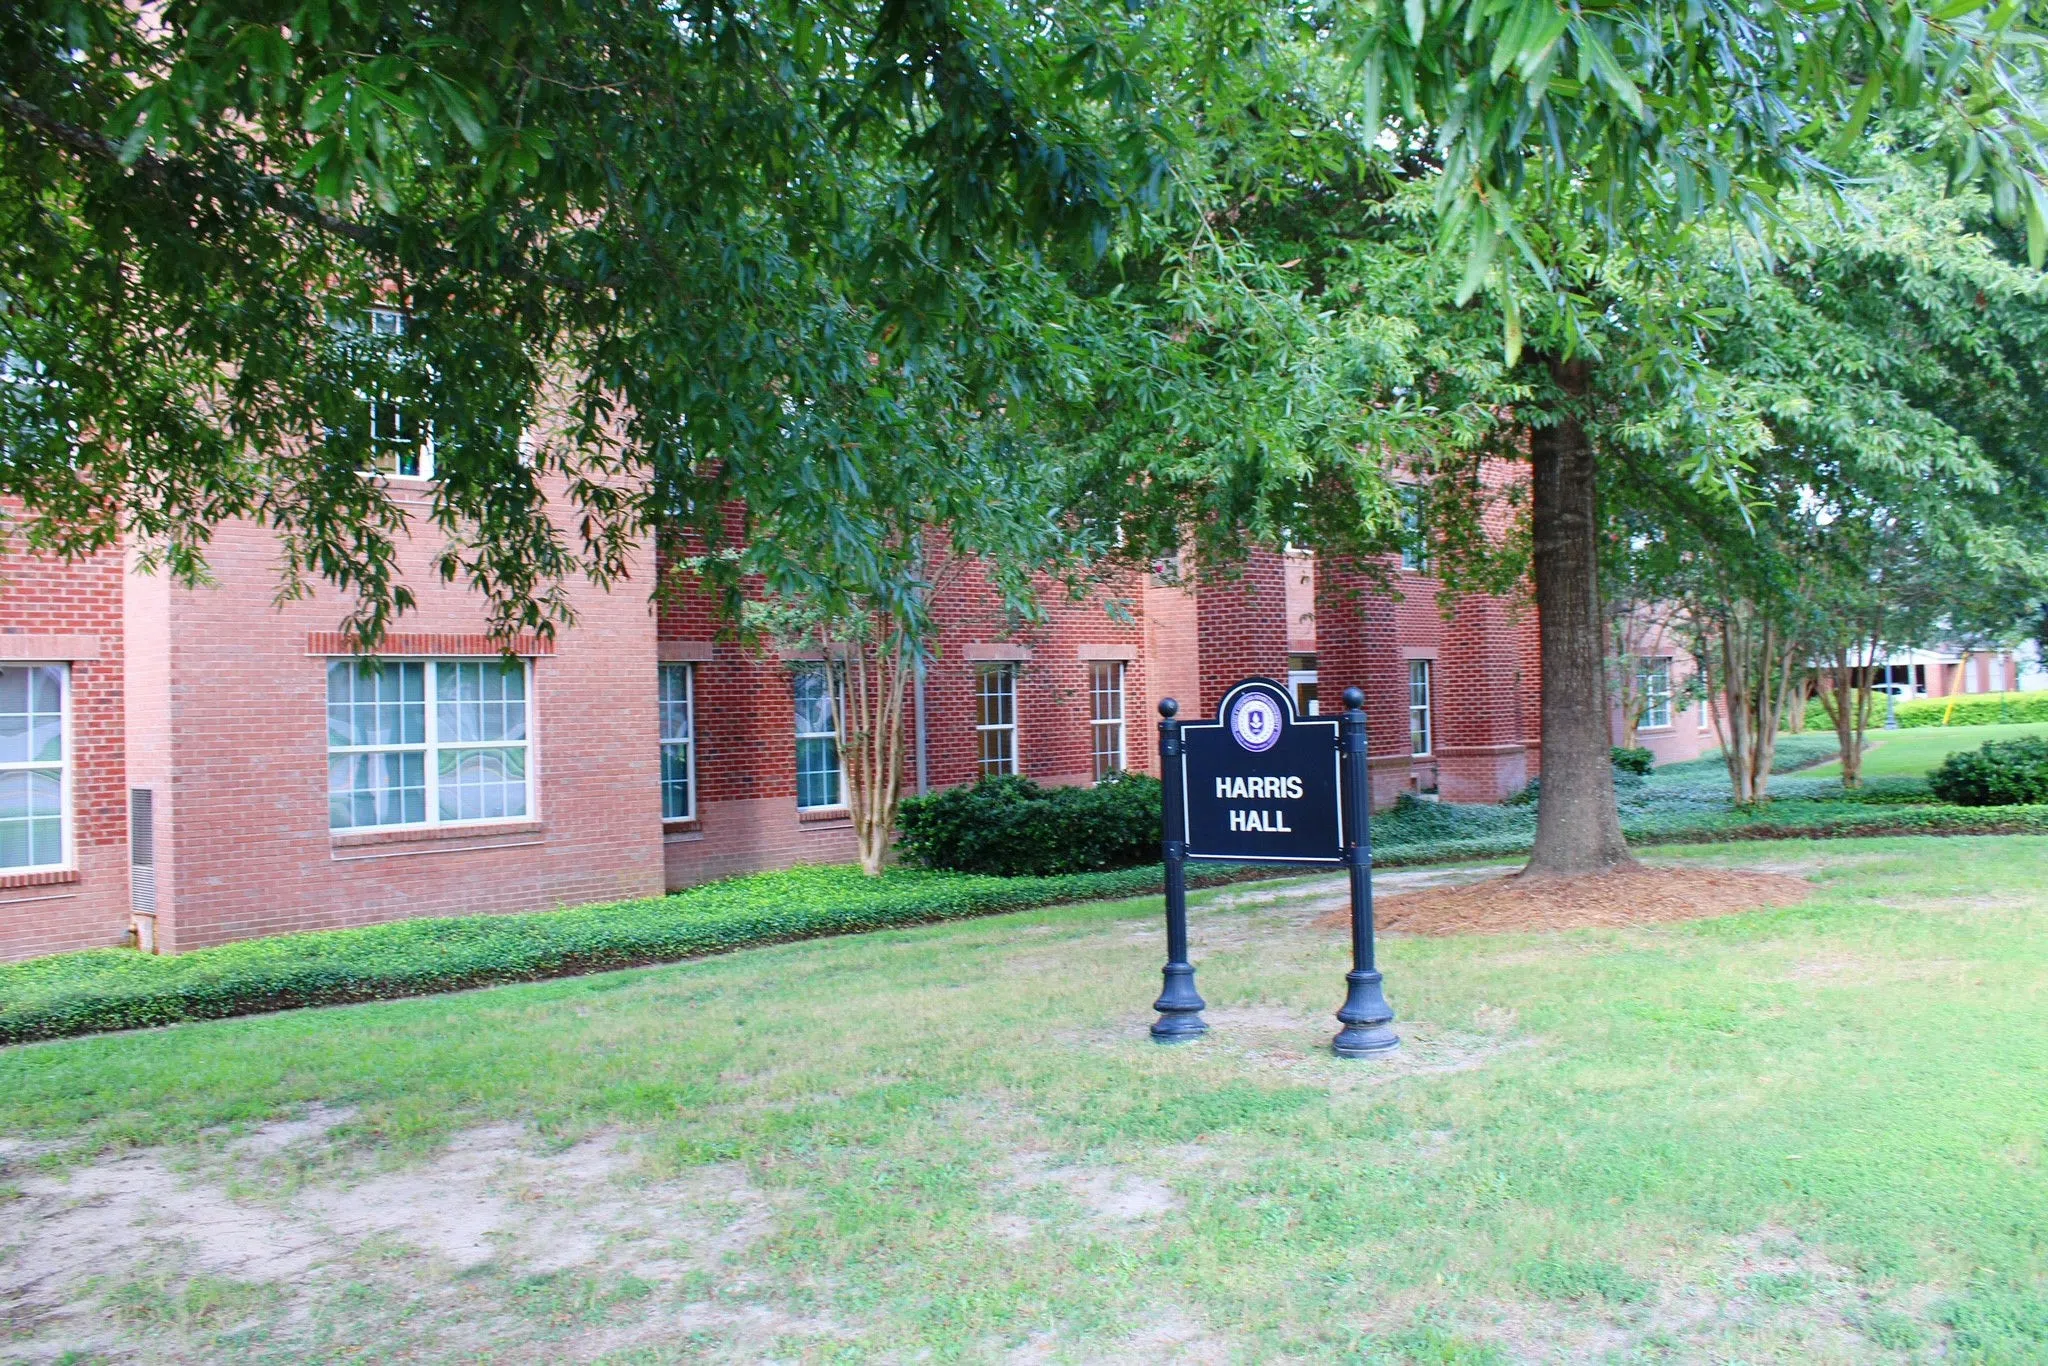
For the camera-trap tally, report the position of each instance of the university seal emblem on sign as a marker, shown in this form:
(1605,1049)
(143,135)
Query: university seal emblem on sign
(1255,722)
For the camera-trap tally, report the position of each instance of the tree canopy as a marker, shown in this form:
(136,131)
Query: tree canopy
(1049,280)
(798,259)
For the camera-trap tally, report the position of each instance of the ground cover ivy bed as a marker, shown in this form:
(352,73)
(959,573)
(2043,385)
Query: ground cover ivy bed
(101,989)
(108,989)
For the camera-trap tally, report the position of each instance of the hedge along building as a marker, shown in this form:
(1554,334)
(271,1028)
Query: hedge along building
(187,766)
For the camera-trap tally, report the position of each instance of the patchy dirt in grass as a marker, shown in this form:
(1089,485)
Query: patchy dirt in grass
(1167,1333)
(1114,1197)
(1294,1042)
(1630,896)
(94,1260)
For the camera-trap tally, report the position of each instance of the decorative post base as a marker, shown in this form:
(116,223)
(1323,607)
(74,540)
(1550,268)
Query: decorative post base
(1368,1019)
(1180,1007)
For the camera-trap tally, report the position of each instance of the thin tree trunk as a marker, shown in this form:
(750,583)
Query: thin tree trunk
(1735,684)
(1578,826)
(868,703)
(1627,683)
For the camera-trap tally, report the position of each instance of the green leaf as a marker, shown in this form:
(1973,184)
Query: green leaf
(1608,69)
(460,109)
(1511,319)
(1485,243)
(2037,223)
(1417,15)
(1859,114)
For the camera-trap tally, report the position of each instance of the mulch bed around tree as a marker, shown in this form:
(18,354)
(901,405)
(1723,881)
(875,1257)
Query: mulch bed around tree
(1632,896)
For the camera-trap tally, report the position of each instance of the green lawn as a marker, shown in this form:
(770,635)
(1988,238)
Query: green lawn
(1903,753)
(1809,1134)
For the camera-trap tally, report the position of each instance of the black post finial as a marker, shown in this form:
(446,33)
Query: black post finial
(1354,698)
(1168,708)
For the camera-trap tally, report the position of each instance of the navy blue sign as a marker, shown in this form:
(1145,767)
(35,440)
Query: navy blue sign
(1260,785)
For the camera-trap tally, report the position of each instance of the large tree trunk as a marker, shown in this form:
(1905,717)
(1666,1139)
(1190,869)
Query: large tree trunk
(1578,826)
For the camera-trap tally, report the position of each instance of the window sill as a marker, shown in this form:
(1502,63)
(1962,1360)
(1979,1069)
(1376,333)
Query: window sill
(822,815)
(48,877)
(342,839)
(686,825)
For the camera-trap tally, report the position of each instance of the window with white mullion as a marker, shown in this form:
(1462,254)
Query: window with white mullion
(820,771)
(995,719)
(35,767)
(1420,740)
(678,742)
(1654,679)
(401,444)
(439,742)
(1106,717)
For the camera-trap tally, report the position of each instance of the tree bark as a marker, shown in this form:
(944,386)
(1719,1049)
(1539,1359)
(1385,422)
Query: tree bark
(868,707)
(1578,825)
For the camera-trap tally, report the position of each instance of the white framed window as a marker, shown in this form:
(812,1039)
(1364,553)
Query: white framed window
(678,742)
(1414,535)
(1420,741)
(1654,680)
(1106,717)
(1302,683)
(820,773)
(427,742)
(35,767)
(995,718)
(401,446)
(1706,718)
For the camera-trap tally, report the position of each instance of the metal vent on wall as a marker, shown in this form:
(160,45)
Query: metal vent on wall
(142,851)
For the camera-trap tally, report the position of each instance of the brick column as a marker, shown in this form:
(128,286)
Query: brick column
(1480,721)
(1358,645)
(1241,628)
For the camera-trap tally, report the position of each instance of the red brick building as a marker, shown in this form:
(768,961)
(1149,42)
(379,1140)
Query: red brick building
(185,767)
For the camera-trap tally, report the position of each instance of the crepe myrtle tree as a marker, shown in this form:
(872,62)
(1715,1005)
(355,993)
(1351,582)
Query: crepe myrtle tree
(1891,353)
(650,263)
(870,645)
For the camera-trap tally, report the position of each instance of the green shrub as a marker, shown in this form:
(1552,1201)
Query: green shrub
(1012,827)
(2001,773)
(100,989)
(1639,761)
(1976,709)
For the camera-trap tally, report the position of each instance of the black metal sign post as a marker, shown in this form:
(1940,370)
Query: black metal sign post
(1367,1018)
(1260,785)
(1179,1004)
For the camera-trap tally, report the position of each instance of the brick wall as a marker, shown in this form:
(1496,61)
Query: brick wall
(747,817)
(1172,658)
(1242,628)
(1052,662)
(1300,568)
(222,717)
(58,613)
(1359,644)
(243,722)
(1375,620)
